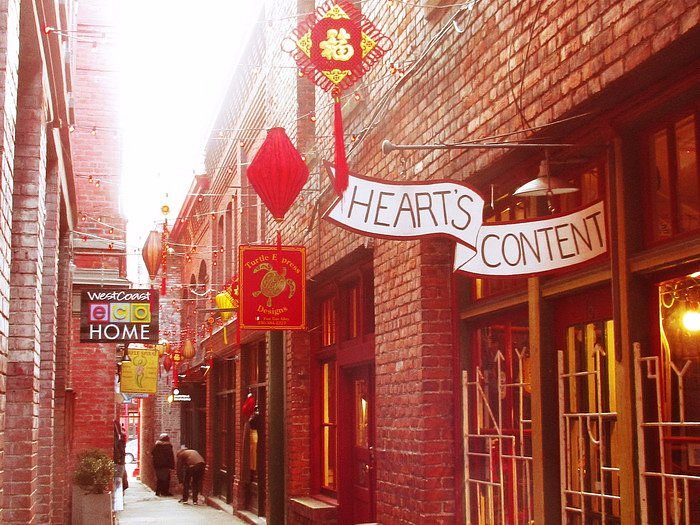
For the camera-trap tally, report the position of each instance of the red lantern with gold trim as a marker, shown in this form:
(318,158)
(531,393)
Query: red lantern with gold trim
(335,46)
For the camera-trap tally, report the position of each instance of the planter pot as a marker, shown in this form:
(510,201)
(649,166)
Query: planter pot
(91,509)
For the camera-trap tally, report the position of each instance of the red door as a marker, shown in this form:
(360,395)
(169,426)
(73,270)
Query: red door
(358,476)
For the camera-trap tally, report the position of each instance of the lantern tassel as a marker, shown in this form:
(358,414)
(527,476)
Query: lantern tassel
(340,182)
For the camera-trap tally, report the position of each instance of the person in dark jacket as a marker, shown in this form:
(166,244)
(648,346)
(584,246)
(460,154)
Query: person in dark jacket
(190,471)
(163,463)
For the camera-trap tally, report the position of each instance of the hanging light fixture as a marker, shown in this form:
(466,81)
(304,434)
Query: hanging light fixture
(544,184)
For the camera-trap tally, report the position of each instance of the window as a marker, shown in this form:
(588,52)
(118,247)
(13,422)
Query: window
(328,321)
(497,419)
(590,441)
(328,427)
(344,313)
(352,329)
(672,179)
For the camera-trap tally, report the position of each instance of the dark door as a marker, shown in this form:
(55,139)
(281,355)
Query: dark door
(358,504)
(223,439)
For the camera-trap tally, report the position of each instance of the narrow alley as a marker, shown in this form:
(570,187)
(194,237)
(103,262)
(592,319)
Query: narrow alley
(142,507)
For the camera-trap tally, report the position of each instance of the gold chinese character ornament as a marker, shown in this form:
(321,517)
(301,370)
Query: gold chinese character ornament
(335,46)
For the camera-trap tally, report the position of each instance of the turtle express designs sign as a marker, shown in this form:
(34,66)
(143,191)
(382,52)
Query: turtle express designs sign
(411,210)
(272,287)
(118,315)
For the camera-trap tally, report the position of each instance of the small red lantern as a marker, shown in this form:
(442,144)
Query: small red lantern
(167,362)
(277,173)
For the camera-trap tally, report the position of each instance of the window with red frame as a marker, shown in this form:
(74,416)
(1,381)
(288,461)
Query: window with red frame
(346,315)
(673,182)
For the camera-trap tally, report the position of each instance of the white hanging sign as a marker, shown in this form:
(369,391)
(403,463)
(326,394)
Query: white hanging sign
(394,210)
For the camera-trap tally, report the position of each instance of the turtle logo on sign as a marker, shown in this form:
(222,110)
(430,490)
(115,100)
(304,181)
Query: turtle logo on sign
(273,282)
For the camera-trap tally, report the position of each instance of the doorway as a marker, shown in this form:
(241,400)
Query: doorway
(589,437)
(357,465)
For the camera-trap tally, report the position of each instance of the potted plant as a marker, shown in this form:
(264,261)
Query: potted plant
(92,500)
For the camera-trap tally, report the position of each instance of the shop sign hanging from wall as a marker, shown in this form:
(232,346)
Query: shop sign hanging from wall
(139,375)
(411,210)
(272,287)
(119,315)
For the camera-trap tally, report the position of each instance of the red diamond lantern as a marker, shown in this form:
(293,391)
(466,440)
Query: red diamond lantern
(335,46)
(277,173)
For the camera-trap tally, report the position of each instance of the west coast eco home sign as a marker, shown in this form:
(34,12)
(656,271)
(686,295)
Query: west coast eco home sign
(396,210)
(117,315)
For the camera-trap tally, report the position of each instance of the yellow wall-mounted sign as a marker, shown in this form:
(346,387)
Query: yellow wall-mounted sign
(140,374)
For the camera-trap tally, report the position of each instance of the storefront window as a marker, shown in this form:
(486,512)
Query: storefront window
(328,453)
(668,386)
(673,181)
(497,423)
(679,311)
(590,441)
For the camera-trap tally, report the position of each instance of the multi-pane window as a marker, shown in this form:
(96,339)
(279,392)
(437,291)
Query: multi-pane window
(672,177)
(345,315)
(588,416)
(353,315)
(328,327)
(328,426)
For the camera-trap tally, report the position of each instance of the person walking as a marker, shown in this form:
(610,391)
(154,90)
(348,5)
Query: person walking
(163,463)
(190,471)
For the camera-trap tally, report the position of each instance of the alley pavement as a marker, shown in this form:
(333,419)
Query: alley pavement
(143,507)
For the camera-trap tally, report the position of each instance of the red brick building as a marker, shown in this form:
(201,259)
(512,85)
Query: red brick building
(419,394)
(61,229)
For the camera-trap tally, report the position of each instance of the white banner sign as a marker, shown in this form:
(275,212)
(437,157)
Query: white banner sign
(401,210)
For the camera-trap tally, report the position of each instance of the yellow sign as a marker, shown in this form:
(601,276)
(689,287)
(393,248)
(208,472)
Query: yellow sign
(140,374)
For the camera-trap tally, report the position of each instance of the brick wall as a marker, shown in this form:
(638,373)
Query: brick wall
(28,223)
(500,68)
(62,434)
(9,67)
(49,315)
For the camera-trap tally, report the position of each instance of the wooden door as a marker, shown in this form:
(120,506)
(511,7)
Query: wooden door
(357,490)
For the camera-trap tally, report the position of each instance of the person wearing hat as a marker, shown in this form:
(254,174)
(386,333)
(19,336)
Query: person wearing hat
(163,463)
(190,471)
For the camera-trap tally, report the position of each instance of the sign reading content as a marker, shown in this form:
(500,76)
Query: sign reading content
(412,210)
(119,315)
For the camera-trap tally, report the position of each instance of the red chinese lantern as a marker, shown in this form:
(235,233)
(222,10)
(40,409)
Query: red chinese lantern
(167,362)
(152,253)
(277,173)
(335,46)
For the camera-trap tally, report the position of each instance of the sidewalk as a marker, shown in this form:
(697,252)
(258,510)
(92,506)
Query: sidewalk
(143,507)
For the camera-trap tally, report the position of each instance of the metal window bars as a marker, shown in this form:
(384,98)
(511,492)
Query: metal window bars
(497,443)
(668,444)
(589,477)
